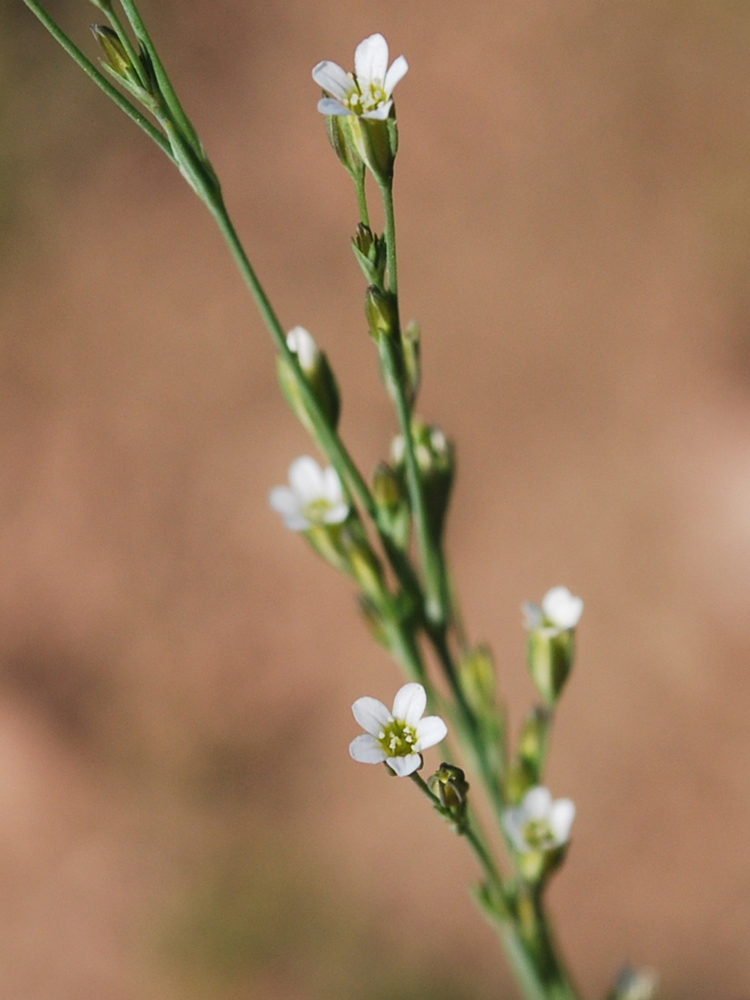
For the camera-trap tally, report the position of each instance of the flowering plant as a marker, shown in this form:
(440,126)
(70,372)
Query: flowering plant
(388,534)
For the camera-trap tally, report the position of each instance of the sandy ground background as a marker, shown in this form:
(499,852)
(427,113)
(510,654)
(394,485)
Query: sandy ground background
(179,817)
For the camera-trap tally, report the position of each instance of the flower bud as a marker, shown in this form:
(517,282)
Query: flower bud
(117,58)
(371,253)
(341,138)
(449,784)
(550,658)
(319,375)
(381,313)
(376,141)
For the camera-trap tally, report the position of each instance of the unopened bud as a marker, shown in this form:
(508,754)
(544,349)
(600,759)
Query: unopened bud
(117,58)
(371,253)
(450,786)
(550,658)
(381,313)
(339,131)
(376,142)
(319,375)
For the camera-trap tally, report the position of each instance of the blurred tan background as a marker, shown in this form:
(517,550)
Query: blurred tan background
(179,817)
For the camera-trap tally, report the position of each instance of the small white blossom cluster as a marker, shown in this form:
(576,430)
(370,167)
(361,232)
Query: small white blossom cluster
(367,92)
(560,610)
(397,737)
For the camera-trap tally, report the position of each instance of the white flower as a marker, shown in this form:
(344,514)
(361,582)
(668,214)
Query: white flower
(397,737)
(538,823)
(366,92)
(301,343)
(315,497)
(560,610)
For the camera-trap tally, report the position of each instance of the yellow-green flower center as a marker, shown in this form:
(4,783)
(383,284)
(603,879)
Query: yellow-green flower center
(398,739)
(361,102)
(539,835)
(316,510)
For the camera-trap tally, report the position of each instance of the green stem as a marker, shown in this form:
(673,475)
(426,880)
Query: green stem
(364,212)
(386,191)
(99,79)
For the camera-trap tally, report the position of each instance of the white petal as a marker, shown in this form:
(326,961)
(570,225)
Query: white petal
(404,766)
(306,479)
(513,820)
(532,616)
(371,61)
(537,803)
(410,703)
(328,106)
(284,501)
(332,486)
(430,730)
(371,714)
(562,608)
(396,73)
(380,113)
(561,818)
(333,79)
(337,514)
(302,344)
(367,750)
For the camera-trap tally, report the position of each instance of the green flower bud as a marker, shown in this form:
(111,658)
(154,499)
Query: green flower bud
(117,58)
(376,141)
(381,313)
(328,540)
(319,374)
(449,784)
(550,657)
(371,253)
(344,144)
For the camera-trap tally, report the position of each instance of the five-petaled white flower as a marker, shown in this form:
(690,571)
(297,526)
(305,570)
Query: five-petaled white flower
(396,737)
(314,496)
(560,610)
(366,92)
(539,824)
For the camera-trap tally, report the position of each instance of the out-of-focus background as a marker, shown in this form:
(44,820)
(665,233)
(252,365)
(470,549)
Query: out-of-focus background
(179,817)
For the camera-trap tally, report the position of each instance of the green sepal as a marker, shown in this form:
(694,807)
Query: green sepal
(550,658)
